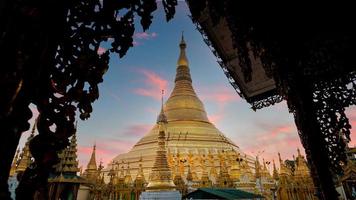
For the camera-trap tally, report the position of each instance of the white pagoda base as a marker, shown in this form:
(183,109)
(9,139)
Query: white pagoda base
(156,195)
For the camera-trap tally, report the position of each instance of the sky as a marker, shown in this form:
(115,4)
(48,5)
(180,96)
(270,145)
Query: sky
(130,97)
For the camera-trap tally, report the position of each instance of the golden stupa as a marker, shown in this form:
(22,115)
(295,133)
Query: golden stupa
(190,135)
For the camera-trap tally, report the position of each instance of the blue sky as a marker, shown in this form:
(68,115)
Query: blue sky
(129,97)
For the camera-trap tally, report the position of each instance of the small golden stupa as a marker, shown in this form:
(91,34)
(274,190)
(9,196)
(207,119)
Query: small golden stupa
(161,174)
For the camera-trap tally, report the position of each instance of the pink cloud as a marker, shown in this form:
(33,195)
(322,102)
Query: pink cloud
(101,50)
(271,140)
(220,95)
(153,84)
(216,118)
(351,114)
(106,150)
(137,129)
(145,35)
(269,149)
(136,43)
(278,132)
(282,138)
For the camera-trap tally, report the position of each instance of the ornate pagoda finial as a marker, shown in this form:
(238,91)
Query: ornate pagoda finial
(182,42)
(264,163)
(182,60)
(162,117)
(279,157)
(275,172)
(257,168)
(162,95)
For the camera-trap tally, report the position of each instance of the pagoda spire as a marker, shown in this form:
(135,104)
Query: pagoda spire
(275,172)
(183,103)
(92,161)
(183,71)
(162,117)
(265,171)
(282,167)
(182,60)
(161,175)
(301,168)
(257,168)
(92,171)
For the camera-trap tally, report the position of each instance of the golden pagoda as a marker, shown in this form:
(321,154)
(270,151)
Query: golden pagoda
(25,159)
(294,180)
(161,174)
(64,182)
(91,172)
(189,133)
(275,172)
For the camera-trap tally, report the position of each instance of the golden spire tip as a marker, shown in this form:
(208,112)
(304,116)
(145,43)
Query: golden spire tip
(162,98)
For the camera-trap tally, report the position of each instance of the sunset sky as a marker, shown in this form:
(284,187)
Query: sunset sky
(130,97)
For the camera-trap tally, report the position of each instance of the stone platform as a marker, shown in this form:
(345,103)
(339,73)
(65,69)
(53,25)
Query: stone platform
(151,195)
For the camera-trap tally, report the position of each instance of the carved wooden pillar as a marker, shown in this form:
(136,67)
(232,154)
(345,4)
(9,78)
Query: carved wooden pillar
(300,101)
